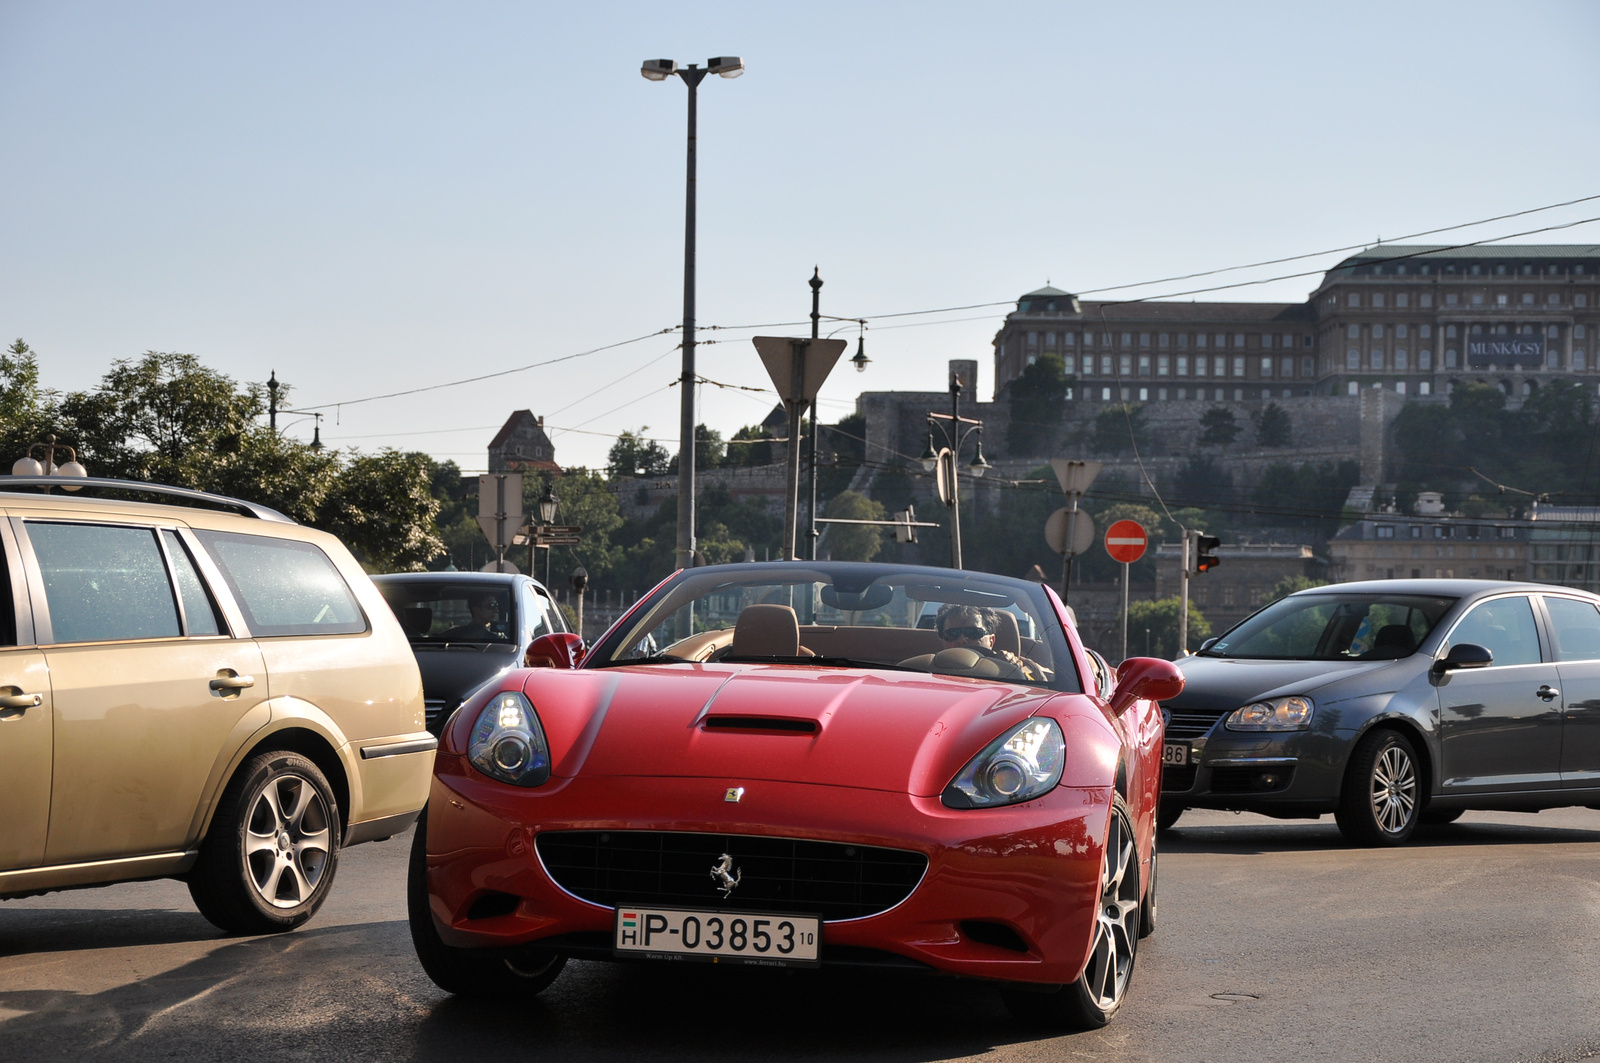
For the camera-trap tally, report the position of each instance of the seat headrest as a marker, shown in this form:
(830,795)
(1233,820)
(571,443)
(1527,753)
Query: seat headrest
(1007,636)
(416,620)
(766,631)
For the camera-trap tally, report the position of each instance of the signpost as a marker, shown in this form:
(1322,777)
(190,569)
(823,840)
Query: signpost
(1075,478)
(1126,541)
(797,368)
(500,513)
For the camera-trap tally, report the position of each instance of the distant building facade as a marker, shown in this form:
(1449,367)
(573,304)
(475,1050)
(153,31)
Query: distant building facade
(521,444)
(1395,546)
(1242,582)
(1413,320)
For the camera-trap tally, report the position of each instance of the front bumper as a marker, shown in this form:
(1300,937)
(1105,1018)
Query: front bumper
(1287,773)
(1033,868)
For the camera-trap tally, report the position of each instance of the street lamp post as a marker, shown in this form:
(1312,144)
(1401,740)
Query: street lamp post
(659,70)
(28,465)
(945,458)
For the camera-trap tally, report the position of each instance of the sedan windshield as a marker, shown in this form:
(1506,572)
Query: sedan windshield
(848,615)
(1335,627)
(451,612)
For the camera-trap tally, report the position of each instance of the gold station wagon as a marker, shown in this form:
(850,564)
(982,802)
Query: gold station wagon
(205,691)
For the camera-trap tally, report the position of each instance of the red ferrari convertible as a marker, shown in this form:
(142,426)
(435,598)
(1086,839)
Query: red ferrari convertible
(805,764)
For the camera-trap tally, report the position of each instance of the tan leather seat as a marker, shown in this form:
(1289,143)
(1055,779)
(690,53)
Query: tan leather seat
(766,631)
(1007,636)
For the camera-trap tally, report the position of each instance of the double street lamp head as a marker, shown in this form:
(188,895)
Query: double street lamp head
(728,66)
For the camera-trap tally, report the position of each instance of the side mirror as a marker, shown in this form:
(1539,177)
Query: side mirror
(1208,643)
(1145,679)
(563,650)
(1466,655)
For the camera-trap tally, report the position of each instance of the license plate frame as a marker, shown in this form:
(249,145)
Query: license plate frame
(643,938)
(1175,754)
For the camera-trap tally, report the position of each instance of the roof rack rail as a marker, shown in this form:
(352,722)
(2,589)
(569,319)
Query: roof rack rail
(237,505)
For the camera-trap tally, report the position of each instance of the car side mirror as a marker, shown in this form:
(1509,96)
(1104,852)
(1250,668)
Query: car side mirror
(1208,643)
(1466,655)
(562,650)
(1145,679)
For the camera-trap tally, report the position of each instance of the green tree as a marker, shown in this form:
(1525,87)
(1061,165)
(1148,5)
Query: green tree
(634,454)
(854,542)
(1273,427)
(1218,427)
(1161,617)
(709,449)
(1120,427)
(382,506)
(1036,400)
(27,413)
(750,445)
(584,500)
(1290,584)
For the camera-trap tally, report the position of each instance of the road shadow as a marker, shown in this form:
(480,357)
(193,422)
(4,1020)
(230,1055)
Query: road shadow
(45,930)
(356,992)
(1298,836)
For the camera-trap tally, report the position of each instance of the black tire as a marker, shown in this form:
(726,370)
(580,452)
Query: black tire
(468,972)
(1438,817)
(1167,816)
(268,860)
(1147,908)
(1094,999)
(1380,803)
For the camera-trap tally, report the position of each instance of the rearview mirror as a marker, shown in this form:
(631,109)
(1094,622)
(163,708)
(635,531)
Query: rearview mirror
(563,650)
(1145,679)
(873,596)
(1466,655)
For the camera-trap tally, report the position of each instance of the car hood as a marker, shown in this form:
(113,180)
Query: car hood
(1222,684)
(893,731)
(450,673)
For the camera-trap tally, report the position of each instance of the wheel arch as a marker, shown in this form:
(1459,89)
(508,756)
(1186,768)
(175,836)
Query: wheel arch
(1399,721)
(310,744)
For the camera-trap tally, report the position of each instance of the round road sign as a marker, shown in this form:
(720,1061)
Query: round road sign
(1126,540)
(1055,532)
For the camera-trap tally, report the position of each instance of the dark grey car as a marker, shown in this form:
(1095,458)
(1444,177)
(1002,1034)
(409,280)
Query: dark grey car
(1390,703)
(466,628)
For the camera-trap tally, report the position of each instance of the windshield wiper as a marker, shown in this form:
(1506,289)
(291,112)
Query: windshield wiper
(1208,653)
(659,658)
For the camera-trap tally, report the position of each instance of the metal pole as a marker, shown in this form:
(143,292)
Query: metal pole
(685,551)
(1067,554)
(579,612)
(1183,597)
(1124,610)
(955,475)
(272,402)
(499,523)
(812,534)
(791,495)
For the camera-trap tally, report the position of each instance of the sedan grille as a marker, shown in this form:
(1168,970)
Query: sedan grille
(1191,723)
(837,881)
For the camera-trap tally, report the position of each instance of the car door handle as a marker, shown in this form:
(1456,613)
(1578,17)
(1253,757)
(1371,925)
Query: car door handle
(233,682)
(21,701)
(1548,692)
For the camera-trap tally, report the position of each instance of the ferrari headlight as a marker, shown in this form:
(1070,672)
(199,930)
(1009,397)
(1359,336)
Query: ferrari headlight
(1020,765)
(507,742)
(1278,714)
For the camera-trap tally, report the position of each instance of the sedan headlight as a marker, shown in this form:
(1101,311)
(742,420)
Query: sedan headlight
(507,742)
(1020,765)
(1278,714)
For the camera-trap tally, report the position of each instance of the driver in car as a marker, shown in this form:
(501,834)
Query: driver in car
(973,628)
(485,609)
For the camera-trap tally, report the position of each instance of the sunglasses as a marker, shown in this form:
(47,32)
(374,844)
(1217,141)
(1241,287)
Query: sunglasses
(950,633)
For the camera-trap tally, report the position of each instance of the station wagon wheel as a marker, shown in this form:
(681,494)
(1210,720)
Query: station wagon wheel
(269,858)
(1094,998)
(1381,800)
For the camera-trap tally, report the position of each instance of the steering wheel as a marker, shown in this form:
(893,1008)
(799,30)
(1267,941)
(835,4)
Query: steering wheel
(978,661)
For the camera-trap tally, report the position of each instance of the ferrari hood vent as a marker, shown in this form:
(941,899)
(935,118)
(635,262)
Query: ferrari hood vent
(784,725)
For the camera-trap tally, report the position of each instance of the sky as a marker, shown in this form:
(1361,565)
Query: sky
(368,198)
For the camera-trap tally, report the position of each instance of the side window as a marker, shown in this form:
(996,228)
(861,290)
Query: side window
(539,608)
(1505,627)
(103,582)
(1576,626)
(199,611)
(284,587)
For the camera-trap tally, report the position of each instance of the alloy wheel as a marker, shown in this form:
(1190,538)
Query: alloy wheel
(1116,931)
(1394,789)
(288,840)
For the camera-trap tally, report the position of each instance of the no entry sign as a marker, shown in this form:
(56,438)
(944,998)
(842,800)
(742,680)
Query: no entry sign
(1126,541)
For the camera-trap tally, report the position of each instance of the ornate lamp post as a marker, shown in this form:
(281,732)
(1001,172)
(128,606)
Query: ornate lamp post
(955,430)
(31,466)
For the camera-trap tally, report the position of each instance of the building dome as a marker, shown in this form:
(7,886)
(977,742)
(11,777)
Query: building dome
(1048,300)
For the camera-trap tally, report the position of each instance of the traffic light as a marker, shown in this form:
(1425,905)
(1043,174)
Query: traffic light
(1201,555)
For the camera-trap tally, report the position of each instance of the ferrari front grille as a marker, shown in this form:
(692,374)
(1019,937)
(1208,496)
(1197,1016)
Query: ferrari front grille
(832,879)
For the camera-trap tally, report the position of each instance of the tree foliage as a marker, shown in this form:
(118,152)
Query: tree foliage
(1273,426)
(1036,397)
(854,542)
(634,454)
(1161,617)
(1118,428)
(1218,427)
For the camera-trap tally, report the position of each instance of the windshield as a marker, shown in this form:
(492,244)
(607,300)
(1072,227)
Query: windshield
(873,616)
(1335,627)
(451,612)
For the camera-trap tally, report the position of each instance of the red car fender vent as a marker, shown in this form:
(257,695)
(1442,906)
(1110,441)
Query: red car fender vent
(997,934)
(784,725)
(493,904)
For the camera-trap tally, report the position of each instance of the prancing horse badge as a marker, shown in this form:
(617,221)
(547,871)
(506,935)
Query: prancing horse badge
(733,794)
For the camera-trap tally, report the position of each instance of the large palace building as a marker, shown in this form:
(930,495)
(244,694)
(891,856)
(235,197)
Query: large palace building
(1411,319)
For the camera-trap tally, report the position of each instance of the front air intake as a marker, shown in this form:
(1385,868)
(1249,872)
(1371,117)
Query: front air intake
(770,724)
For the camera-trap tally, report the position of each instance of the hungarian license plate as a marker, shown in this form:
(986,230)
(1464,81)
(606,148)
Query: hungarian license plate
(768,939)
(1175,753)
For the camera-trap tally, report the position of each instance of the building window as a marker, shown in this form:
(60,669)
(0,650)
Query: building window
(1552,299)
(1402,299)
(1287,369)
(1238,367)
(1200,367)
(1425,299)
(1508,533)
(1401,362)
(1399,387)
(1578,332)
(1161,394)
(1350,388)
(1219,341)
(1266,367)
(1144,394)
(1125,365)
(1580,362)
(1069,338)
(1425,331)
(1377,359)
(1162,340)
(1377,332)
(1127,339)
(1580,300)
(1449,332)
(1450,299)
(1266,341)
(1377,299)
(1238,340)
(1383,531)
(1033,339)
(1238,394)
(1477,298)
(1424,359)
(1105,394)
(1450,357)
(1144,365)
(1424,388)
(1352,332)
(1352,359)
(1144,339)
(1527,298)
(1105,365)
(1125,394)
(1200,339)
(1183,339)
(1163,363)
(1183,365)
(1502,299)
(1069,362)
(1400,332)
(1354,300)
(1308,367)
(1183,394)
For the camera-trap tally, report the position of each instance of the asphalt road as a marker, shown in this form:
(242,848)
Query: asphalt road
(1276,942)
